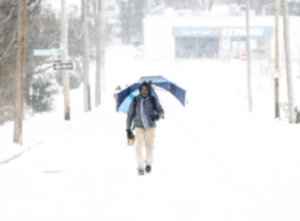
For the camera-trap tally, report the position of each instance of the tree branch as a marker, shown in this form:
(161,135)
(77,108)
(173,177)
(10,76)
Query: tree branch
(43,70)
(9,46)
(35,7)
(9,15)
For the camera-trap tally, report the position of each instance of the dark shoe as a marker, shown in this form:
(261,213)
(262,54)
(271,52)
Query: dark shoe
(141,172)
(148,169)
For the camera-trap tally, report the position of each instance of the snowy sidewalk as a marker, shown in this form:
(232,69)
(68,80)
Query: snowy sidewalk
(39,128)
(10,151)
(36,134)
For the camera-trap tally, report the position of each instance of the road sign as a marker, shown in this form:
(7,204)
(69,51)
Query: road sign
(63,66)
(243,56)
(47,52)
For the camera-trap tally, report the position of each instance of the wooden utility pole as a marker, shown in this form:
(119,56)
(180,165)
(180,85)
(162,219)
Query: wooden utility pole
(277,69)
(20,71)
(288,64)
(86,74)
(98,48)
(249,85)
(64,39)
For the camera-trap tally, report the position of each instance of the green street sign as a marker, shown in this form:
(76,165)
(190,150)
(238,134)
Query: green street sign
(47,52)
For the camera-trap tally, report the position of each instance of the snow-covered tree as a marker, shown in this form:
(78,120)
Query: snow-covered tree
(43,32)
(131,17)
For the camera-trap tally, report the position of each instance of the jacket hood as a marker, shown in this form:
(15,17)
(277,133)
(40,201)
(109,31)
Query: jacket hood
(145,84)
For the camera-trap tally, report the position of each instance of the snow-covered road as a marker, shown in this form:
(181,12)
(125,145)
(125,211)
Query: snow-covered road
(213,161)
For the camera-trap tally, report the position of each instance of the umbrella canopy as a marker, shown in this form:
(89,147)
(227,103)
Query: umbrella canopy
(125,104)
(126,96)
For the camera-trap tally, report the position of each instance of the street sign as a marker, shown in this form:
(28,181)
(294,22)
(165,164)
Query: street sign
(243,56)
(63,66)
(47,52)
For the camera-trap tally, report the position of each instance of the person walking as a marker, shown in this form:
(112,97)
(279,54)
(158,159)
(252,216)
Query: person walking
(144,111)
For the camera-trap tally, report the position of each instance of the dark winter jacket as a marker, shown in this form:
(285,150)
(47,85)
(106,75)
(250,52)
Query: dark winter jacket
(134,113)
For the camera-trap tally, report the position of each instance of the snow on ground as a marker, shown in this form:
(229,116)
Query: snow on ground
(213,160)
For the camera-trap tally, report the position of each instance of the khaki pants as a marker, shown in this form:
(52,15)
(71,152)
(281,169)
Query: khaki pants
(147,138)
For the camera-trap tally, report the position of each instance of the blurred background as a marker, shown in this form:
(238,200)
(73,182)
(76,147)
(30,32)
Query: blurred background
(230,152)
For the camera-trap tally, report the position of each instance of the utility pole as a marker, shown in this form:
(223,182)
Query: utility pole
(248,58)
(103,41)
(64,40)
(20,71)
(288,65)
(277,69)
(86,74)
(98,51)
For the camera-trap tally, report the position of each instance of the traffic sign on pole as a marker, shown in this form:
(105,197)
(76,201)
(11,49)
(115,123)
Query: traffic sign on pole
(243,56)
(63,66)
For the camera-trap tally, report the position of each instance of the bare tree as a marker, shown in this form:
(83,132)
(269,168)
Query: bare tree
(199,5)
(86,55)
(8,52)
(131,18)
(100,48)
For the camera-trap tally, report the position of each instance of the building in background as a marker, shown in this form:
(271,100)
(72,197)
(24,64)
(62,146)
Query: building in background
(170,34)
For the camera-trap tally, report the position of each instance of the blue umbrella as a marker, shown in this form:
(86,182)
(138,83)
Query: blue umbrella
(126,96)
(124,107)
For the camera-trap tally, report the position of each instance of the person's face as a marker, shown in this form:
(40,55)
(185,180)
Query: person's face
(144,91)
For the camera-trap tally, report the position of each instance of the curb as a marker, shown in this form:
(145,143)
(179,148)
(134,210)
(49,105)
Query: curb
(20,153)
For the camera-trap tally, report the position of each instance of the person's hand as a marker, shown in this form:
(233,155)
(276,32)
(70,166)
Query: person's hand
(130,135)
(154,117)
